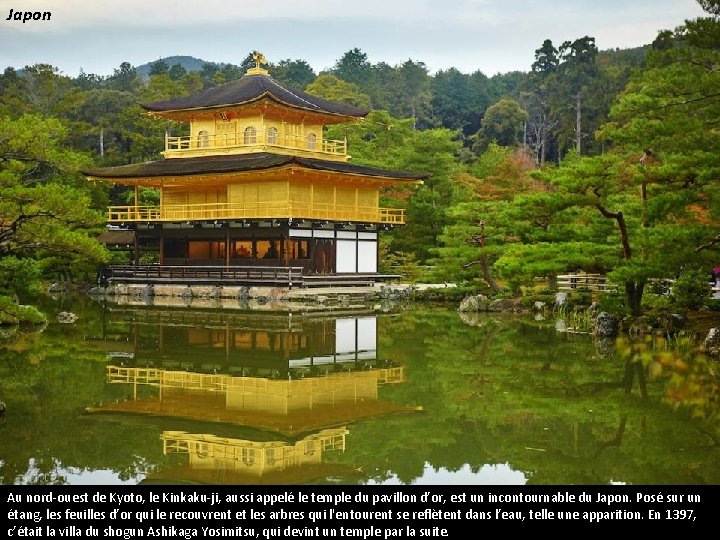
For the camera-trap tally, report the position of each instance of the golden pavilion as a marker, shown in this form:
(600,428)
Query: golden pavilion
(257,184)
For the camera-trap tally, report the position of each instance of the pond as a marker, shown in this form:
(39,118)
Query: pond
(420,394)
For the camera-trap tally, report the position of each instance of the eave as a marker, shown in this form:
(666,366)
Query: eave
(225,169)
(188,114)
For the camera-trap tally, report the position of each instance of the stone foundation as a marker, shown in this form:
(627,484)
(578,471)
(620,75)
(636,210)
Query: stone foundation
(254,298)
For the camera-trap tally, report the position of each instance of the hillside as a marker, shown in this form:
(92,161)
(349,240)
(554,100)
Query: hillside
(190,63)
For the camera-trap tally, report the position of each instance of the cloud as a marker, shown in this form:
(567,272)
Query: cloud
(493,36)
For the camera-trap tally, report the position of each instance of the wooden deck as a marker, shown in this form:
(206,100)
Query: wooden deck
(268,276)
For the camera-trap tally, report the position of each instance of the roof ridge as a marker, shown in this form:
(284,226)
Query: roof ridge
(313,105)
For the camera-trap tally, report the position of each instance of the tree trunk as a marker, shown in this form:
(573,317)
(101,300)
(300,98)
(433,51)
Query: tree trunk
(486,275)
(578,109)
(633,293)
(633,289)
(485,267)
(552,282)
(543,143)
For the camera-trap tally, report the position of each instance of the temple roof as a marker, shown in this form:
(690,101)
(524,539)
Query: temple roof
(116,238)
(203,407)
(242,163)
(251,88)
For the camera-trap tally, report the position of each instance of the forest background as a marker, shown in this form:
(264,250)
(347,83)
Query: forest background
(597,161)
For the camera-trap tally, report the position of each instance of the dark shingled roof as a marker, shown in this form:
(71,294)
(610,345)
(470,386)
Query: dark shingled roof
(241,163)
(251,88)
(118,237)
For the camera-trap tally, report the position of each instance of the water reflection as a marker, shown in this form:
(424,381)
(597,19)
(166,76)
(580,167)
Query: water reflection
(158,394)
(303,378)
(279,345)
(213,459)
(286,406)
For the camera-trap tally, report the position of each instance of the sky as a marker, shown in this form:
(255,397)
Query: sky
(491,36)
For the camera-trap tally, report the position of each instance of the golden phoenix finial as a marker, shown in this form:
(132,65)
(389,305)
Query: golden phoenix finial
(259,58)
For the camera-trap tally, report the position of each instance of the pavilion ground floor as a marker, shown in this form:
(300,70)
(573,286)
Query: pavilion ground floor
(317,248)
(246,253)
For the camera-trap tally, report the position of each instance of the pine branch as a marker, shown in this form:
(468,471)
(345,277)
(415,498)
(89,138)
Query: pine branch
(709,244)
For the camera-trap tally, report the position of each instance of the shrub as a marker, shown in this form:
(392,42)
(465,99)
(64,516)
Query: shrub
(691,291)
(656,302)
(613,303)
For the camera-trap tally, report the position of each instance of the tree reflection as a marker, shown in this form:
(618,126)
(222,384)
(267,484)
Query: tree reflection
(504,390)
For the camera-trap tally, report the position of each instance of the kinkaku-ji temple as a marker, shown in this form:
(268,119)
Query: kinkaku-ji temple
(255,187)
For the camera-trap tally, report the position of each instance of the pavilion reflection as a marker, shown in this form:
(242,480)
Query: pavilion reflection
(288,406)
(213,459)
(266,402)
(280,345)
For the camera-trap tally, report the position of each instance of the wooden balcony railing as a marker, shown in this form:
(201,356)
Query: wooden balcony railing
(267,276)
(591,282)
(598,282)
(184,146)
(259,210)
(270,276)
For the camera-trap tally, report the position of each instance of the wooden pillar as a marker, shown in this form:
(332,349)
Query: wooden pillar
(312,255)
(136,247)
(282,255)
(263,131)
(334,203)
(162,246)
(377,249)
(227,246)
(288,202)
(312,201)
(227,341)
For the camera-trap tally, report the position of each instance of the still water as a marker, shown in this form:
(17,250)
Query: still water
(416,395)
